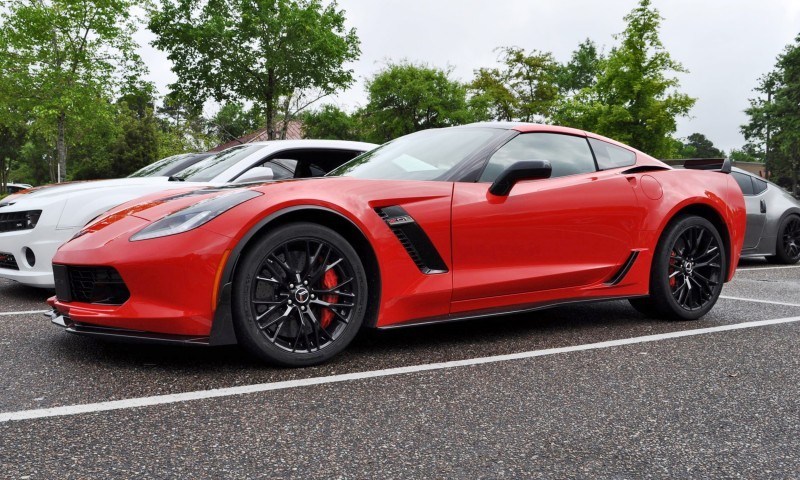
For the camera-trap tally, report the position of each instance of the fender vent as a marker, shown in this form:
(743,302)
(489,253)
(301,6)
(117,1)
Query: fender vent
(414,240)
(624,270)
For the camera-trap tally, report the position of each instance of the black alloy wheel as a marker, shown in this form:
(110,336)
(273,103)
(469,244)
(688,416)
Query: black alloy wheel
(788,242)
(300,296)
(688,271)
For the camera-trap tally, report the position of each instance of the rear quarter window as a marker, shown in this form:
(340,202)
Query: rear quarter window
(744,183)
(611,156)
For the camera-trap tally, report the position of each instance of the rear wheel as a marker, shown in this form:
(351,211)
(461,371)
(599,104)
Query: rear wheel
(788,244)
(688,271)
(299,295)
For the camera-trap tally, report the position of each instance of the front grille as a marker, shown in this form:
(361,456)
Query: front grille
(13,221)
(101,285)
(8,261)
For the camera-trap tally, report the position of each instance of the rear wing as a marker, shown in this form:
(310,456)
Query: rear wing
(722,165)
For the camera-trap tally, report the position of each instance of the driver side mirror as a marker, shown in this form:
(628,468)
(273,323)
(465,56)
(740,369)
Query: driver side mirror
(527,170)
(256,174)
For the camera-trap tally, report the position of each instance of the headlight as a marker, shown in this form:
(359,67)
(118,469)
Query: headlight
(192,217)
(13,221)
(32,218)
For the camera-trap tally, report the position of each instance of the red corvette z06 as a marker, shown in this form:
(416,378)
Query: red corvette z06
(438,225)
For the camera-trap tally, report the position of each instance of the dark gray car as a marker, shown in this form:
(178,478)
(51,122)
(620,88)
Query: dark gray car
(773,220)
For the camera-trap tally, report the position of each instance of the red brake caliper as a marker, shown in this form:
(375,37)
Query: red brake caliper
(672,281)
(329,281)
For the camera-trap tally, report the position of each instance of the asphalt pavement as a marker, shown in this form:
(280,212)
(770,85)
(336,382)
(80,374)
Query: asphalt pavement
(584,391)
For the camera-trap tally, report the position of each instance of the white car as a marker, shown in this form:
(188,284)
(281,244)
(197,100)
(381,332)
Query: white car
(34,225)
(16,187)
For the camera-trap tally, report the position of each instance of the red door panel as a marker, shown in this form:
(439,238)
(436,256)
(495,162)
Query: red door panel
(547,234)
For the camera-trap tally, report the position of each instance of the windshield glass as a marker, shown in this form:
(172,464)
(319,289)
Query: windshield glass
(425,155)
(155,169)
(206,170)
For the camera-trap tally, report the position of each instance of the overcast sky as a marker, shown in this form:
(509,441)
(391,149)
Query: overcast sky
(725,44)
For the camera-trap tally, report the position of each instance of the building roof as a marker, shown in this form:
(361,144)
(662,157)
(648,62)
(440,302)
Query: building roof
(294,131)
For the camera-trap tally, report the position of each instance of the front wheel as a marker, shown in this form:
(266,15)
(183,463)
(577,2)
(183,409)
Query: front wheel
(787,250)
(688,271)
(300,295)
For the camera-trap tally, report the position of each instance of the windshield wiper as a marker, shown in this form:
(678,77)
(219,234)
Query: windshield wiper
(173,178)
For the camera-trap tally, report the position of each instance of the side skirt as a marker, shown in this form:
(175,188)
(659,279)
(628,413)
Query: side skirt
(500,312)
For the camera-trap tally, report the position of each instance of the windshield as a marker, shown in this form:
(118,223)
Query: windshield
(155,169)
(206,170)
(425,155)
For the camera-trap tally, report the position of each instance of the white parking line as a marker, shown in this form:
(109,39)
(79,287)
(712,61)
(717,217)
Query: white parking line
(760,301)
(307,382)
(23,313)
(755,269)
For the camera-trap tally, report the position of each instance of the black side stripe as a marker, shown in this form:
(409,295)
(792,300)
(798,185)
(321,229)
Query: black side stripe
(624,270)
(414,240)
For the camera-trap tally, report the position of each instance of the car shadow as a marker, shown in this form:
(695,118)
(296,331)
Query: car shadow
(377,348)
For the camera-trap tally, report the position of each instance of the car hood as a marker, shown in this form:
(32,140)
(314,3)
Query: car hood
(67,188)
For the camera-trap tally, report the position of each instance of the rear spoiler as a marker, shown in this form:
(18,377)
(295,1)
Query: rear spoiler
(722,165)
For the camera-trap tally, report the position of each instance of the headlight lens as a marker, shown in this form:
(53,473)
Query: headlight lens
(194,216)
(32,218)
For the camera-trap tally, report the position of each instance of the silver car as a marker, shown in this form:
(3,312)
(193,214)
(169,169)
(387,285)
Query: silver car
(773,220)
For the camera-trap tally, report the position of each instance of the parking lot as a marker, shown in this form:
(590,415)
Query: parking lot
(582,391)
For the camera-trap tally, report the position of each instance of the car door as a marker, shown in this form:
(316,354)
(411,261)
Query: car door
(756,207)
(574,229)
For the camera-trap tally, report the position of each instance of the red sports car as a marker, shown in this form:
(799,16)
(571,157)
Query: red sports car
(439,225)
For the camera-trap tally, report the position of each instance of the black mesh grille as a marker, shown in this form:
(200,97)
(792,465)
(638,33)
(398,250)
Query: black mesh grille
(413,239)
(101,285)
(8,261)
(412,252)
(13,221)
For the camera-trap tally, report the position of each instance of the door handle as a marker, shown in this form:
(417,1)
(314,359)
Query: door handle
(763,206)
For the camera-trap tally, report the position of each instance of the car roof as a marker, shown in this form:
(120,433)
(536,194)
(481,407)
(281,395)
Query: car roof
(315,143)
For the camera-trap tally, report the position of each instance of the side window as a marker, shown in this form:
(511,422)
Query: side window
(758,186)
(611,156)
(568,154)
(744,182)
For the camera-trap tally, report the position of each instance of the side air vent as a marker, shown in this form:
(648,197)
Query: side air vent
(624,270)
(414,240)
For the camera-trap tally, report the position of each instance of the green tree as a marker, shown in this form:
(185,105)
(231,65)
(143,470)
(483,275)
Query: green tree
(282,55)
(234,120)
(182,127)
(698,145)
(748,153)
(131,144)
(774,118)
(523,88)
(331,122)
(582,69)
(405,98)
(62,58)
(635,99)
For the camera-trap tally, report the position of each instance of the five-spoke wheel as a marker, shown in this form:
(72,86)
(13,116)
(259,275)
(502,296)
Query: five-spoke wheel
(299,295)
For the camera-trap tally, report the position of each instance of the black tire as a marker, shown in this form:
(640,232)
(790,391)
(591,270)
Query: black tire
(281,288)
(787,248)
(688,271)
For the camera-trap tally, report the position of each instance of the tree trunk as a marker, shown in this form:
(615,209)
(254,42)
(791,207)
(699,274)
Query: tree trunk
(270,105)
(61,148)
